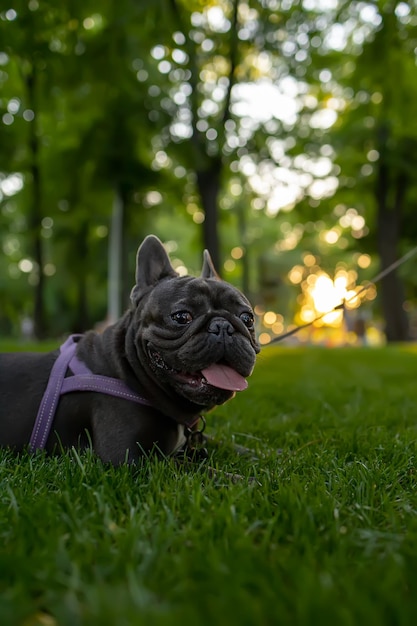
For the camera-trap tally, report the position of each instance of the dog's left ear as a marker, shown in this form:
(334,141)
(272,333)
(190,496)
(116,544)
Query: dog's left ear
(208,270)
(152,265)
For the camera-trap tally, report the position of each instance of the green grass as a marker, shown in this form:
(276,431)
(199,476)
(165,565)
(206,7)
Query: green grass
(9,345)
(329,537)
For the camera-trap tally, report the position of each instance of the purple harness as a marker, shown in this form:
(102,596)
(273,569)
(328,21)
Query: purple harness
(82,380)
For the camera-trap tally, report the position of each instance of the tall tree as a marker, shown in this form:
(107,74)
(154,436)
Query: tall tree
(377,136)
(208,138)
(26,38)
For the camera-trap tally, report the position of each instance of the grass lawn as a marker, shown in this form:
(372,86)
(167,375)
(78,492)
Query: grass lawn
(329,537)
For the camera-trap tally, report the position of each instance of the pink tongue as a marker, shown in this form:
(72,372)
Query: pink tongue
(224,377)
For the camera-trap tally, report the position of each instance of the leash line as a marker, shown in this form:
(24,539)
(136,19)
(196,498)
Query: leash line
(376,279)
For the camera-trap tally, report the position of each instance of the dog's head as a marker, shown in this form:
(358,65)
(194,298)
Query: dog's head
(194,336)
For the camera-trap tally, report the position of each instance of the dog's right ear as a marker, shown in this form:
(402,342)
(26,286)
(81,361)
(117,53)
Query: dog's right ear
(152,265)
(208,270)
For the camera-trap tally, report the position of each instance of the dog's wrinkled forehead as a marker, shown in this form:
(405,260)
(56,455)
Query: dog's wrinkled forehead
(200,295)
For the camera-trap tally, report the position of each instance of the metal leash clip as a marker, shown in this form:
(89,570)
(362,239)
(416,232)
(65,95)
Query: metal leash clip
(195,449)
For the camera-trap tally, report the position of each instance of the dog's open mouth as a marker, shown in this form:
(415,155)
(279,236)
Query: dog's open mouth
(219,375)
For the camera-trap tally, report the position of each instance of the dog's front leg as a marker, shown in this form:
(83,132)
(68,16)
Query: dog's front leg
(123,432)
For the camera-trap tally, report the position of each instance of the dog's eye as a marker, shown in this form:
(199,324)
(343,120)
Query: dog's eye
(247,319)
(182,317)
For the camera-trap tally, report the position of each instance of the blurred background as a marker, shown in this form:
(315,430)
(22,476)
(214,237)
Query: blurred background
(279,134)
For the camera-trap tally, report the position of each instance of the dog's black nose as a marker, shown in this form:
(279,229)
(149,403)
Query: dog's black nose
(220,326)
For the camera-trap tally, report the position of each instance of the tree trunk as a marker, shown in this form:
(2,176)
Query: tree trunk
(82,321)
(35,211)
(392,291)
(241,221)
(114,301)
(388,238)
(208,183)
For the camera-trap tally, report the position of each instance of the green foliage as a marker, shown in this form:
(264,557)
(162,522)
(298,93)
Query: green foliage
(143,98)
(328,536)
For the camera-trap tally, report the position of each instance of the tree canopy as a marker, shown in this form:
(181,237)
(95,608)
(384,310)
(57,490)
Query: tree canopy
(279,134)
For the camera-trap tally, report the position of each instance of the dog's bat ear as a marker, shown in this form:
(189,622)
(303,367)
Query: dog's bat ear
(208,270)
(152,265)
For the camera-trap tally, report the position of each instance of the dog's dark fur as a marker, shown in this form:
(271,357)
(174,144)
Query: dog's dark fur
(175,327)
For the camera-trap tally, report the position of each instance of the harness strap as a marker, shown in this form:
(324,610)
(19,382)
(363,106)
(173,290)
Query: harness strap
(102,384)
(85,380)
(82,380)
(50,398)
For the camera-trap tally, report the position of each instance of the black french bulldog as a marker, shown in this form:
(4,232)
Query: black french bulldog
(184,346)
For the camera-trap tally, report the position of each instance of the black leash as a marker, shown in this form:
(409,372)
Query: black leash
(343,304)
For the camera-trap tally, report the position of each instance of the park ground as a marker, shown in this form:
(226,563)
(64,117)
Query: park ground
(327,534)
